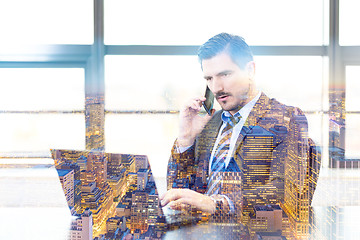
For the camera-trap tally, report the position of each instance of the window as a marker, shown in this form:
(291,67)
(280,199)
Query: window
(193,22)
(72,92)
(352,121)
(46,22)
(348,16)
(41,108)
(151,82)
(293,80)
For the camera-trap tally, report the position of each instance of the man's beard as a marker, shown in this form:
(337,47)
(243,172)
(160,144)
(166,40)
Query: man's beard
(240,101)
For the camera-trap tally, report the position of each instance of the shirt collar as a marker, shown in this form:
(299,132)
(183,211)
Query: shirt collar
(243,112)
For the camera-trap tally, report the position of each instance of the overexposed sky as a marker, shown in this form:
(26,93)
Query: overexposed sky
(160,82)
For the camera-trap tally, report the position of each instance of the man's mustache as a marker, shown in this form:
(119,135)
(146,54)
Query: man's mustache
(222,94)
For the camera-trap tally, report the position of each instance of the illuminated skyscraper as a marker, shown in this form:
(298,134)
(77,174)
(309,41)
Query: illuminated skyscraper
(141,162)
(117,184)
(230,185)
(97,163)
(82,162)
(142,179)
(68,165)
(112,224)
(135,190)
(114,164)
(81,226)
(67,183)
(128,161)
(266,218)
(277,172)
(95,118)
(296,200)
(255,162)
(153,206)
(139,211)
(99,202)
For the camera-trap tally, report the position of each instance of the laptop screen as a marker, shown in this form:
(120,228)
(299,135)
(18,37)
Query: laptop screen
(119,190)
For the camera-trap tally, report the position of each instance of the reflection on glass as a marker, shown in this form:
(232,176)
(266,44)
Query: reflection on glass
(148,134)
(44,22)
(318,131)
(31,198)
(41,132)
(193,22)
(295,81)
(352,88)
(109,193)
(151,82)
(348,16)
(34,89)
(162,82)
(352,137)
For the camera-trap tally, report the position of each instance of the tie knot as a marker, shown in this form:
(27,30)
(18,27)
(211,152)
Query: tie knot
(232,120)
(235,119)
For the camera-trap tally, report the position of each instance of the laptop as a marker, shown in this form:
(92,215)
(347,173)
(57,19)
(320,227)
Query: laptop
(133,169)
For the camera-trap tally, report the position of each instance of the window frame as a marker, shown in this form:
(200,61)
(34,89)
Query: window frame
(91,58)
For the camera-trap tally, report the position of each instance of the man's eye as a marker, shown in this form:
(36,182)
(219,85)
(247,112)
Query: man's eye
(225,74)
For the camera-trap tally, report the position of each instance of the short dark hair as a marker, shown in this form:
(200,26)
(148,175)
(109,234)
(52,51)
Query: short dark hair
(234,45)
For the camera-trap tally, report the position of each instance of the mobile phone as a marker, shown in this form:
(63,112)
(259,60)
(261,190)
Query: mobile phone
(209,102)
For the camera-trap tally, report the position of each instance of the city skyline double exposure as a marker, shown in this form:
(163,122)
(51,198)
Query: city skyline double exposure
(102,80)
(116,195)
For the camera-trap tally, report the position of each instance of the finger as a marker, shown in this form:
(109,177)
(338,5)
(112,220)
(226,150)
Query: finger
(169,196)
(206,117)
(186,196)
(164,200)
(191,107)
(197,103)
(195,106)
(199,99)
(180,204)
(202,99)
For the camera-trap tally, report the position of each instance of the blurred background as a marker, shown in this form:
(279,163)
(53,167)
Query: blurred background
(112,75)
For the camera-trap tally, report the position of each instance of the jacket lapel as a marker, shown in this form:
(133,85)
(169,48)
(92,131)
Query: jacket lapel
(259,110)
(205,143)
(206,139)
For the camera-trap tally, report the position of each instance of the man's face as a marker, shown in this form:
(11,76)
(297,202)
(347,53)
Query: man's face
(230,84)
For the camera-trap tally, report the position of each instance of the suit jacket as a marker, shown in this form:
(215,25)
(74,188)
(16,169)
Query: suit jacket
(272,159)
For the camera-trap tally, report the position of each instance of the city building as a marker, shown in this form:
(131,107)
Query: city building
(81,226)
(67,183)
(266,218)
(142,179)
(95,115)
(256,159)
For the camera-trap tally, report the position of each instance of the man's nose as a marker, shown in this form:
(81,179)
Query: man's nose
(216,86)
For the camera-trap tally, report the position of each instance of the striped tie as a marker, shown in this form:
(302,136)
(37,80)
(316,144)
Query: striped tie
(218,161)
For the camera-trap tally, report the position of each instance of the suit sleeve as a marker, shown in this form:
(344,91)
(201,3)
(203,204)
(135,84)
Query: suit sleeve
(181,165)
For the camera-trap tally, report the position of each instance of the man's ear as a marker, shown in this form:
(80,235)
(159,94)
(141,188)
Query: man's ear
(250,69)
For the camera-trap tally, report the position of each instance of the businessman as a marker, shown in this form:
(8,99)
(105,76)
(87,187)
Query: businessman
(253,151)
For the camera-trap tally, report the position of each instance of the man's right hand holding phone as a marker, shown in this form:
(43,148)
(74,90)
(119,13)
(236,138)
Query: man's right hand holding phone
(191,123)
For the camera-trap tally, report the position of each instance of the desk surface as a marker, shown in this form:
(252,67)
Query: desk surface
(33,206)
(326,223)
(32,203)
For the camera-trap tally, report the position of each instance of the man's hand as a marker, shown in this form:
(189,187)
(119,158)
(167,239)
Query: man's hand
(191,123)
(178,198)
